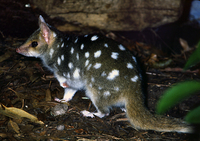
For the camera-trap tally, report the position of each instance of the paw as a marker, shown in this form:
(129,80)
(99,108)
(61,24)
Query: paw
(92,115)
(57,99)
(87,114)
(100,115)
(60,100)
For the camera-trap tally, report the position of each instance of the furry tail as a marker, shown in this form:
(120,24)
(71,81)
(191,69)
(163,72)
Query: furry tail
(141,118)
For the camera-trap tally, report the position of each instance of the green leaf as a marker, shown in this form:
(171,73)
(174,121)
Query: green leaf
(194,58)
(177,93)
(193,116)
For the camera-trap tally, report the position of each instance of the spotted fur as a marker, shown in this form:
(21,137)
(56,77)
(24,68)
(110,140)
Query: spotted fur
(105,69)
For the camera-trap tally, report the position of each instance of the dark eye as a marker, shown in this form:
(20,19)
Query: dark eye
(34,44)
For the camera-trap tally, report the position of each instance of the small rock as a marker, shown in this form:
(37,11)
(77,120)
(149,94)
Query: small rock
(59,109)
(60,127)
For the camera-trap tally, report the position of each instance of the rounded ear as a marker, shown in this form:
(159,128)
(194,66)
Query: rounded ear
(45,31)
(41,20)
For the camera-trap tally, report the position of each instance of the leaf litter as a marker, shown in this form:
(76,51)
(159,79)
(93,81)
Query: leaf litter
(29,92)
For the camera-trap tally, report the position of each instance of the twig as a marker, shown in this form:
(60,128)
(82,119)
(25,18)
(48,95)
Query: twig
(116,116)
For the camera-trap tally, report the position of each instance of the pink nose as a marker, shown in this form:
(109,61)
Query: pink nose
(17,50)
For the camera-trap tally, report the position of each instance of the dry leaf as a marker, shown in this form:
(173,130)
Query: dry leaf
(3,135)
(184,45)
(85,139)
(17,113)
(48,95)
(79,131)
(153,61)
(5,56)
(12,126)
(69,127)
(153,58)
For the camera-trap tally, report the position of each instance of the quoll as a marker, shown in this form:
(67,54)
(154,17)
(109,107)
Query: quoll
(105,69)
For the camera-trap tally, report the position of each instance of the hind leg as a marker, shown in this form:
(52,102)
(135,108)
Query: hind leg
(102,109)
(93,114)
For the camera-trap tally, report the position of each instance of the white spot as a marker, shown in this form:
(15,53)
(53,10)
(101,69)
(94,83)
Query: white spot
(114,55)
(27,5)
(134,58)
(103,74)
(82,46)
(76,73)
(90,84)
(89,66)
(58,46)
(121,48)
(51,52)
(95,37)
(113,74)
(62,45)
(105,45)
(87,54)
(72,50)
(97,65)
(86,62)
(62,57)
(116,88)
(134,79)
(129,66)
(59,61)
(97,54)
(70,65)
(85,35)
(61,40)
(76,40)
(106,93)
(123,109)
(92,79)
(68,75)
(99,88)
(54,34)
(77,56)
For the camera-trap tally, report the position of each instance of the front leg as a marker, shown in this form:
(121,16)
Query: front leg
(69,92)
(62,80)
(68,95)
